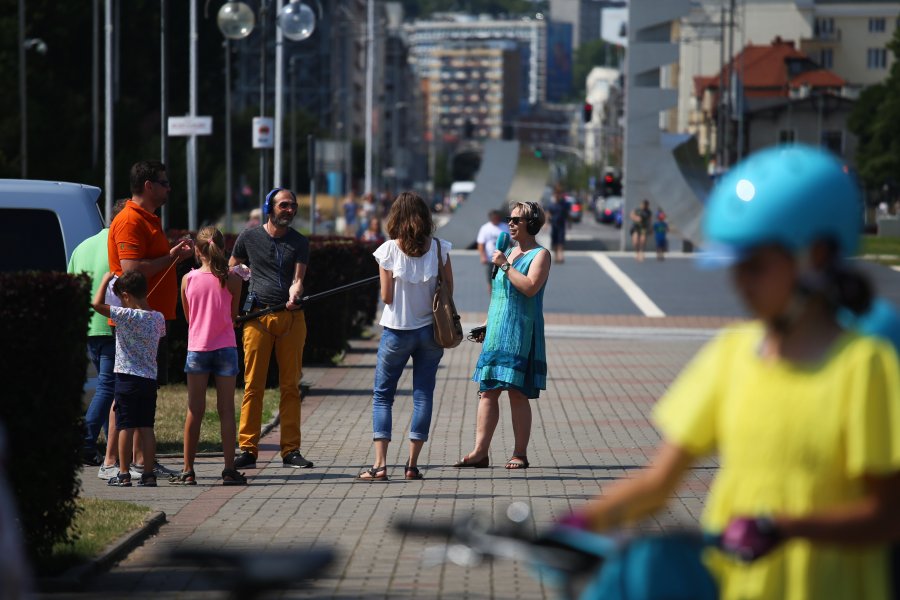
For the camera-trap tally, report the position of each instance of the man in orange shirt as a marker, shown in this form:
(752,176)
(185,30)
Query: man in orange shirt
(137,242)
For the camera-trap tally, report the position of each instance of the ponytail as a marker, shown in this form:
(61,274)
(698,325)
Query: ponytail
(211,244)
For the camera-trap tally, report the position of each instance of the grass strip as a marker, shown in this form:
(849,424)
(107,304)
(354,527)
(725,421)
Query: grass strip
(97,524)
(171,409)
(881,246)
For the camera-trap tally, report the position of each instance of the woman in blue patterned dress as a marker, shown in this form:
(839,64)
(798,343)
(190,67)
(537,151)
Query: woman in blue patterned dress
(513,358)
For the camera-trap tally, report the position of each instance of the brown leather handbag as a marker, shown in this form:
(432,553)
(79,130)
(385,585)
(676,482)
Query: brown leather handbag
(448,331)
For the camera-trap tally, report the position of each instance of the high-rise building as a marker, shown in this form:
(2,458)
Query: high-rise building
(585,16)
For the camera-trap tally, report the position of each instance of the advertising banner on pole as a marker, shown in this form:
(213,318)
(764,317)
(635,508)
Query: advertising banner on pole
(263,132)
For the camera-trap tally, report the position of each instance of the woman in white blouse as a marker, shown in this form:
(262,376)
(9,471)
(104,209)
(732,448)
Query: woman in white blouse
(408,265)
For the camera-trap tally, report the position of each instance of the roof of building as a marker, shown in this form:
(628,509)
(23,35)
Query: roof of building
(771,70)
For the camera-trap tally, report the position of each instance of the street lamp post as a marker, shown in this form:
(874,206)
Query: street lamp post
(235,21)
(296,22)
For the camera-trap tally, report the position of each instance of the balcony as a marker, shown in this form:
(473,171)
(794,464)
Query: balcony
(826,36)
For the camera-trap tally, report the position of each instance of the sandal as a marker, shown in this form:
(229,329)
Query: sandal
(466,461)
(517,462)
(233,477)
(184,478)
(373,474)
(413,472)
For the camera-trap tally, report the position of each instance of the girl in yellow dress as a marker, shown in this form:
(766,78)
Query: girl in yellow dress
(804,415)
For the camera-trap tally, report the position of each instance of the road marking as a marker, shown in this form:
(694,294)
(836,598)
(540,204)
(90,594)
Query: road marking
(634,293)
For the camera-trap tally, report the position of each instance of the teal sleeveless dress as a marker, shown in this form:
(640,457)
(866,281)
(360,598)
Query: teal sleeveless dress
(514,355)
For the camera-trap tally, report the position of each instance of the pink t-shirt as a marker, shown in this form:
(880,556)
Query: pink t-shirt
(209,321)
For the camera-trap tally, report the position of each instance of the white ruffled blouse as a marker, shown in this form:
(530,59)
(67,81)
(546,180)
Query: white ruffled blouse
(415,280)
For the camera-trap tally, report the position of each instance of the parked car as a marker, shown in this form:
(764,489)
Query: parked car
(609,210)
(41,223)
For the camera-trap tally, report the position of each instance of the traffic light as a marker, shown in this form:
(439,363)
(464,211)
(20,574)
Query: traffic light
(611,186)
(588,112)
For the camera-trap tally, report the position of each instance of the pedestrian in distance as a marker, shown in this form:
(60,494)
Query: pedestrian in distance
(487,242)
(641,219)
(138,329)
(513,358)
(91,257)
(660,233)
(804,414)
(372,232)
(210,297)
(137,242)
(408,266)
(558,211)
(350,215)
(277,256)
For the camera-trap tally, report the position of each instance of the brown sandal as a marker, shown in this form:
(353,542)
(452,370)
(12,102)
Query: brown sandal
(373,474)
(413,472)
(465,461)
(517,462)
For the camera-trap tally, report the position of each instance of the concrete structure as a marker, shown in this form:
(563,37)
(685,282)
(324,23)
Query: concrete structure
(586,17)
(658,168)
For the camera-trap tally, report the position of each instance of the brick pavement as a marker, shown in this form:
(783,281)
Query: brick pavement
(590,428)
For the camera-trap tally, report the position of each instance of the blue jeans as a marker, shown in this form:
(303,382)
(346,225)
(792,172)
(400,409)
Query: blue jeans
(102,350)
(394,351)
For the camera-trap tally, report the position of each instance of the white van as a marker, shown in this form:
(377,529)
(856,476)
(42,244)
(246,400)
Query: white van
(41,222)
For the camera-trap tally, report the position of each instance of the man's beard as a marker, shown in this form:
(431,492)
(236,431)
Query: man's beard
(283,220)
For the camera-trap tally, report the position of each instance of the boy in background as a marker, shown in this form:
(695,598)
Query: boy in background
(138,330)
(660,231)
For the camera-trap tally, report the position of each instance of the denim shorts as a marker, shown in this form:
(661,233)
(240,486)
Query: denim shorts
(135,401)
(222,362)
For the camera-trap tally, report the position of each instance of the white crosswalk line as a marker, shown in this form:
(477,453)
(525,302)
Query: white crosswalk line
(631,289)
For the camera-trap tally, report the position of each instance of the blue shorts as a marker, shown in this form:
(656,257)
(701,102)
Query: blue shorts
(135,401)
(222,362)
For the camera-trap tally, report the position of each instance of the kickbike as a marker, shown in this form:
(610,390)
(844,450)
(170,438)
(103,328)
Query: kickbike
(580,565)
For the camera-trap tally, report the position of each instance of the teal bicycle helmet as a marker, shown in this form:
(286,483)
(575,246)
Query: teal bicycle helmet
(788,195)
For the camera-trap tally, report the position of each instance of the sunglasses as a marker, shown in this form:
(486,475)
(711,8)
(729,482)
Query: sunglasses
(286,205)
(164,182)
(515,220)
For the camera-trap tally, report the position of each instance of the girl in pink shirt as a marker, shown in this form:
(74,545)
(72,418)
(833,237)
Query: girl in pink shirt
(210,298)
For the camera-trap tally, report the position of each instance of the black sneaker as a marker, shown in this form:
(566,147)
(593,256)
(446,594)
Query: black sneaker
(245,461)
(91,458)
(120,480)
(294,459)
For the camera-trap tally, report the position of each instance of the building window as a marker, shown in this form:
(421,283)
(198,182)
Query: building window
(786,136)
(876,58)
(833,141)
(826,58)
(824,26)
(876,25)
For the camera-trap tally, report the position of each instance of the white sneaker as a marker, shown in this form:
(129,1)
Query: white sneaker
(136,470)
(108,472)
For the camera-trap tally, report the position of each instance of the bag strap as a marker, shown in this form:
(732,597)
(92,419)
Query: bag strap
(440,265)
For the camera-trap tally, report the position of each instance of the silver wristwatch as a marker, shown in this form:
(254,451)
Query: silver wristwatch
(504,267)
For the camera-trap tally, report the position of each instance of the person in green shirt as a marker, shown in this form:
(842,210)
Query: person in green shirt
(91,257)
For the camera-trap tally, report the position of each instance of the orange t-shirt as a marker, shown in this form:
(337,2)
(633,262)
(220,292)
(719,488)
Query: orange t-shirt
(137,234)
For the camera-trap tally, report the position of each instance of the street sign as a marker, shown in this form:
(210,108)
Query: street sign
(263,132)
(187,126)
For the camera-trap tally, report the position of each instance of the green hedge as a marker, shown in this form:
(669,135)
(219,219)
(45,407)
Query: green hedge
(43,325)
(331,323)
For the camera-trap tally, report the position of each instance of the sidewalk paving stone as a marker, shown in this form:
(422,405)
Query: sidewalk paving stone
(590,428)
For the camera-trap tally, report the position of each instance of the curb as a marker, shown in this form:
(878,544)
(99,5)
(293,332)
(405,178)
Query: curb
(77,576)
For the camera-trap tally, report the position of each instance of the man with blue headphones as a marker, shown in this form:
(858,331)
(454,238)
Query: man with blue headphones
(277,256)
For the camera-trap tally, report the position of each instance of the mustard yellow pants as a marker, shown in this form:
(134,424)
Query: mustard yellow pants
(284,331)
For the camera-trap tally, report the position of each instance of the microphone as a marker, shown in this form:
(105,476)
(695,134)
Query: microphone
(502,245)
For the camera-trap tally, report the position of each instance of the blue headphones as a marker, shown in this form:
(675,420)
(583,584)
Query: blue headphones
(270,197)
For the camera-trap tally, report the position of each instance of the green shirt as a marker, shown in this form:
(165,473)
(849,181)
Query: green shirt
(90,256)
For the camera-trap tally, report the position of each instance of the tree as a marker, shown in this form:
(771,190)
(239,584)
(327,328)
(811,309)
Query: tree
(596,53)
(876,122)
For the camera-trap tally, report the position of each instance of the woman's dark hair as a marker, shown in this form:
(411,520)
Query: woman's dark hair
(841,284)
(410,224)
(132,282)
(211,244)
